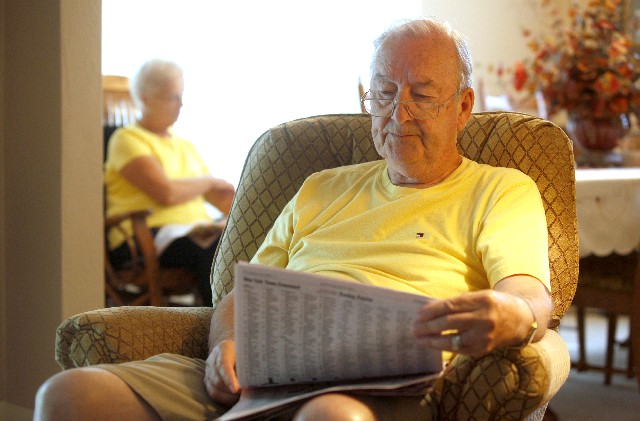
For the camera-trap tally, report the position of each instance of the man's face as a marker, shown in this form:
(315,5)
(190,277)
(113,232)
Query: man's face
(419,69)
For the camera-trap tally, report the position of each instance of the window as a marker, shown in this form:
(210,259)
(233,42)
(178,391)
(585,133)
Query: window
(250,65)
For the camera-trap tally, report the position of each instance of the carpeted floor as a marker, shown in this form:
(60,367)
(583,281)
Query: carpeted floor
(584,396)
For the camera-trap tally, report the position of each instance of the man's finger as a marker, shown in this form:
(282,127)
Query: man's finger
(225,398)
(224,365)
(467,302)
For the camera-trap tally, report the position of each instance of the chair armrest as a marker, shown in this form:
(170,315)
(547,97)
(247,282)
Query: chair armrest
(121,334)
(507,384)
(117,219)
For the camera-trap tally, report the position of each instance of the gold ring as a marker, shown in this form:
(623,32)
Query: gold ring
(456,343)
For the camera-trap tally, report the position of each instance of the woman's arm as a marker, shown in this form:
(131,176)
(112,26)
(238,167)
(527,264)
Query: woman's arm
(147,174)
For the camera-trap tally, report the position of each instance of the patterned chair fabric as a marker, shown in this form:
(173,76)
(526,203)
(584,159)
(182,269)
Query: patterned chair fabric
(506,384)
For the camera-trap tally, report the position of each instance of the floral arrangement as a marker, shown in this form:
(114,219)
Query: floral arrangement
(588,69)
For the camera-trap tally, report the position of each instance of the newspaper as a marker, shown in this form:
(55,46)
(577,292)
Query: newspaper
(201,233)
(258,403)
(300,334)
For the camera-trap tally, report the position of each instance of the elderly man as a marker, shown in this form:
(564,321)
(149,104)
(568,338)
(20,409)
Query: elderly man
(492,283)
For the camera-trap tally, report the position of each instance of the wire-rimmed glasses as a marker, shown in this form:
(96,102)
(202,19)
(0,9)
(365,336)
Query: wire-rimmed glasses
(419,110)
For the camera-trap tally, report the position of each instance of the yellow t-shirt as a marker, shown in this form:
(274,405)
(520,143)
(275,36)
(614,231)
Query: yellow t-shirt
(179,159)
(477,227)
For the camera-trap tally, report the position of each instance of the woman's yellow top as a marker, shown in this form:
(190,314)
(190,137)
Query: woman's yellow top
(179,159)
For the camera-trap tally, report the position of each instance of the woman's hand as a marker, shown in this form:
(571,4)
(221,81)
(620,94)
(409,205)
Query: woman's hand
(220,195)
(220,377)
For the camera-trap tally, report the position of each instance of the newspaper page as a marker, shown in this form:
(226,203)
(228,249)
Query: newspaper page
(293,327)
(258,403)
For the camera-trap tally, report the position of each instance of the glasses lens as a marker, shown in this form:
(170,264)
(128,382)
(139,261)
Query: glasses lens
(378,107)
(423,110)
(384,108)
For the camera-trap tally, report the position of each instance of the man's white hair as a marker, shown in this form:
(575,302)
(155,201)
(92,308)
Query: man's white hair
(422,27)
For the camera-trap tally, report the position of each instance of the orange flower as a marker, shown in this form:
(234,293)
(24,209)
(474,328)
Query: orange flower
(520,76)
(617,49)
(607,83)
(603,24)
(618,105)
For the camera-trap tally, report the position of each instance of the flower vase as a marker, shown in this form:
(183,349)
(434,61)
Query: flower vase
(597,134)
(595,139)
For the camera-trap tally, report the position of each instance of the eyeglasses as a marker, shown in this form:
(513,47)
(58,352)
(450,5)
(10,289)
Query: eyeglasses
(419,110)
(169,98)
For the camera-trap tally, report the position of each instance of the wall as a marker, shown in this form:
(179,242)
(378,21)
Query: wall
(494,30)
(316,73)
(51,201)
(3,336)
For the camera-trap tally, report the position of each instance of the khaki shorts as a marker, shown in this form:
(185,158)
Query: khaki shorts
(174,386)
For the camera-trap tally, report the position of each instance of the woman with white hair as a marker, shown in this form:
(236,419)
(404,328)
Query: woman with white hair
(149,167)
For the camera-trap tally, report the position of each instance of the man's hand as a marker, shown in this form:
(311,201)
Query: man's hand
(483,320)
(220,374)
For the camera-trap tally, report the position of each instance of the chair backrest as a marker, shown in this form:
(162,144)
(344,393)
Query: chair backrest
(285,155)
(118,108)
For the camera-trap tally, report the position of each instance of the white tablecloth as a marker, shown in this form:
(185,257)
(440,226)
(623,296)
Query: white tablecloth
(608,207)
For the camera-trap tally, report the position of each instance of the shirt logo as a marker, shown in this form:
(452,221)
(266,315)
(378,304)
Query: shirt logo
(419,234)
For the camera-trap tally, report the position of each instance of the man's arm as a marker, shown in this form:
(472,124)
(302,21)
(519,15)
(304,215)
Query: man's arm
(488,319)
(538,300)
(220,377)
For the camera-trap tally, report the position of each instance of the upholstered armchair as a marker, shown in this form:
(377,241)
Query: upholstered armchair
(506,384)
